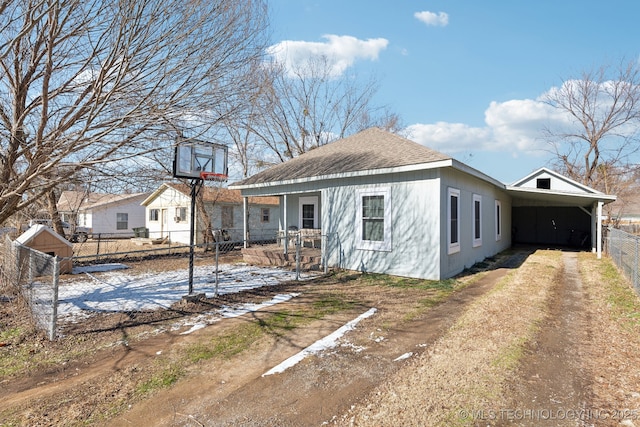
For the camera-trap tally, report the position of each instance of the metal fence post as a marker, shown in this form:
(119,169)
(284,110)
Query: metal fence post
(324,240)
(635,266)
(217,257)
(298,256)
(54,299)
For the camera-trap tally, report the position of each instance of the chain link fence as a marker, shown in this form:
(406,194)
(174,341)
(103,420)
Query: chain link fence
(624,250)
(31,278)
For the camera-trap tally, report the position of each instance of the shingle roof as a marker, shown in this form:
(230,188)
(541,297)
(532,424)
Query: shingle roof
(224,195)
(79,200)
(370,149)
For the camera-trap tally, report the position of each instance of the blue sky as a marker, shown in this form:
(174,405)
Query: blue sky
(466,77)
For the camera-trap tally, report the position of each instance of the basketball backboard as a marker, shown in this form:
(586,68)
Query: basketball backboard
(200,160)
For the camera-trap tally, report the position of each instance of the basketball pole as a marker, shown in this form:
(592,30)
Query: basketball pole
(196,184)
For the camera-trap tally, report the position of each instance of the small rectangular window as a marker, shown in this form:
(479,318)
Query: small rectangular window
(453,230)
(477,220)
(154,214)
(498,220)
(543,183)
(265,214)
(122,221)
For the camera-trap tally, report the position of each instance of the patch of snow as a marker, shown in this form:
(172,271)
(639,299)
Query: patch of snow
(327,342)
(403,356)
(194,328)
(118,290)
(99,268)
(227,312)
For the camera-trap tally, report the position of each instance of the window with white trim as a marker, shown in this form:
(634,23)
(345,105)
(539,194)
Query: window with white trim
(453,220)
(374,219)
(477,220)
(498,220)
(154,214)
(181,214)
(122,221)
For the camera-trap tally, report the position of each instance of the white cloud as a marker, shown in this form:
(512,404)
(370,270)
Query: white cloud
(440,19)
(514,126)
(342,51)
(448,137)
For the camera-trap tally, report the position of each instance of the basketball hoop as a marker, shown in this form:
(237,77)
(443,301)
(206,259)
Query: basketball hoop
(213,176)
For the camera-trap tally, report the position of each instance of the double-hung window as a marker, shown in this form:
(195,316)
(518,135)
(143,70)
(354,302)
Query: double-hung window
(122,221)
(154,214)
(453,220)
(477,220)
(374,219)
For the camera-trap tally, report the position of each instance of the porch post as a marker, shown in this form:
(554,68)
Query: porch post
(284,224)
(599,230)
(245,220)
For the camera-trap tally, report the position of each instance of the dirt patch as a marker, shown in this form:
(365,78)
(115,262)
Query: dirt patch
(552,380)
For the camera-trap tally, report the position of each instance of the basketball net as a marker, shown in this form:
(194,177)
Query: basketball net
(213,176)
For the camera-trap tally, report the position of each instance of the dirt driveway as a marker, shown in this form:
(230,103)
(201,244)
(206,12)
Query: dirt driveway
(501,341)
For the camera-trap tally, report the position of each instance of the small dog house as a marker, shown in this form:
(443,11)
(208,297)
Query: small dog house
(45,239)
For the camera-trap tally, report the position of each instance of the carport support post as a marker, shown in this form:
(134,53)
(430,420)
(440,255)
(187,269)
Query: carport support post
(599,231)
(285,225)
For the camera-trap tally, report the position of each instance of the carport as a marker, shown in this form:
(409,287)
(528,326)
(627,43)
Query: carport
(550,209)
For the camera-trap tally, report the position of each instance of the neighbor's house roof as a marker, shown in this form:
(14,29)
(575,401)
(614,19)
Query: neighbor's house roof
(71,201)
(372,151)
(212,195)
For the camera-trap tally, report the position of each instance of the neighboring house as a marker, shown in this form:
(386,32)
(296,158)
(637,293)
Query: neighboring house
(107,215)
(168,213)
(390,205)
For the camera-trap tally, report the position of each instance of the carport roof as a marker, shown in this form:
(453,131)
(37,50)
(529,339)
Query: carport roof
(537,197)
(563,192)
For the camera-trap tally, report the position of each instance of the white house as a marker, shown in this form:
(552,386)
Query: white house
(168,213)
(107,215)
(390,205)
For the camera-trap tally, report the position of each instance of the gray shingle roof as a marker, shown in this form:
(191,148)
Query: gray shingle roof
(370,149)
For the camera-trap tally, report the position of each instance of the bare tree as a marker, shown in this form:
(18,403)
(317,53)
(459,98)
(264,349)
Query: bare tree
(91,84)
(601,137)
(299,109)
